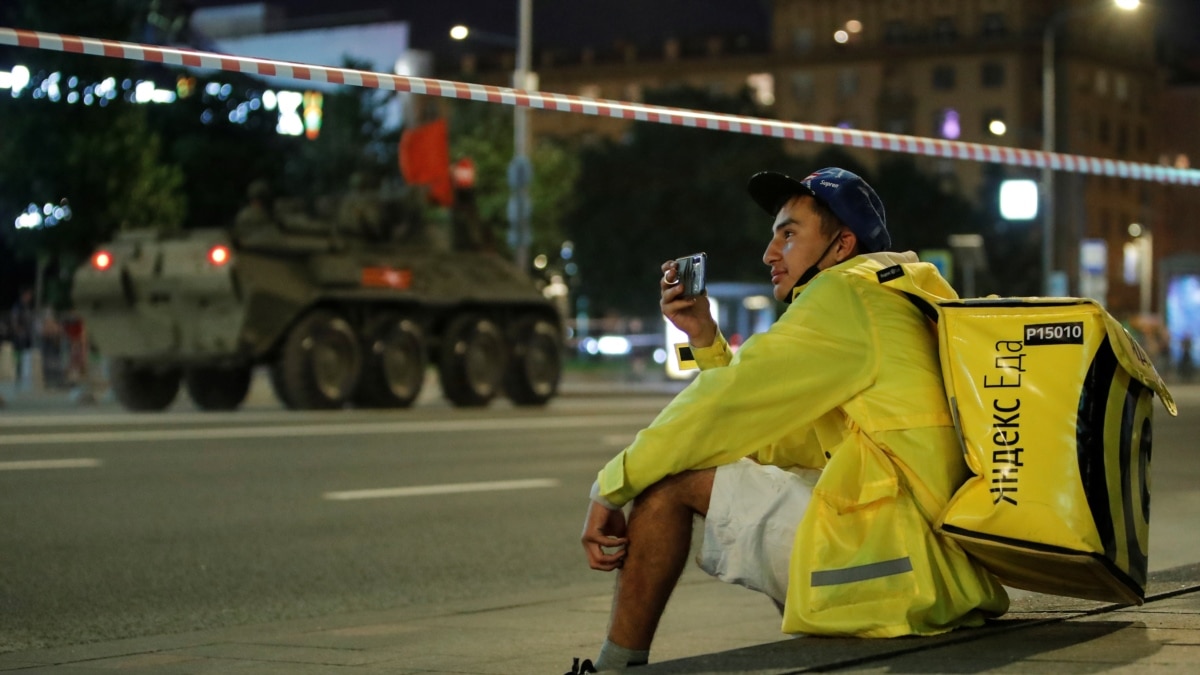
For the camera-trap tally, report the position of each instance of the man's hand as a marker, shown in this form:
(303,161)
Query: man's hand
(690,315)
(604,528)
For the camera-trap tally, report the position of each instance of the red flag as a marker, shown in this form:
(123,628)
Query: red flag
(425,160)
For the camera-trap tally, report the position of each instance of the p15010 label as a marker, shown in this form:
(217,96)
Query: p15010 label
(1064,333)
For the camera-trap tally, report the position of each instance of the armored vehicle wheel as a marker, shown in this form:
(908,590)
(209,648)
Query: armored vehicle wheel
(471,361)
(393,364)
(143,387)
(319,363)
(216,387)
(536,364)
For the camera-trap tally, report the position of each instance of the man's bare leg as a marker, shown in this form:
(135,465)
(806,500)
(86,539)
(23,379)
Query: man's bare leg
(660,537)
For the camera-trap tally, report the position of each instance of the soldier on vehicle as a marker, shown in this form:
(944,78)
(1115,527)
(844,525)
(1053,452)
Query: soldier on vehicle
(257,217)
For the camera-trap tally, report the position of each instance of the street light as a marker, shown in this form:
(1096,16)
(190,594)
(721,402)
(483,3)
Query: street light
(462,32)
(1049,93)
(520,170)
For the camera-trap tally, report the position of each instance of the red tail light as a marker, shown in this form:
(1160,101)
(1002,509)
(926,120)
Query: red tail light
(102,260)
(218,255)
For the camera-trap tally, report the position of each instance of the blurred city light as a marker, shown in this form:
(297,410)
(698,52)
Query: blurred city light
(48,215)
(30,219)
(763,86)
(460,32)
(854,26)
(16,79)
(106,89)
(540,261)
(313,115)
(997,127)
(1128,4)
(613,345)
(950,127)
(1019,199)
(756,302)
(148,92)
(50,86)
(841,37)
(102,260)
(290,123)
(218,255)
(1135,230)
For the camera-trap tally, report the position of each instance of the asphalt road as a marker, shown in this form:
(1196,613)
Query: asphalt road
(174,522)
(143,525)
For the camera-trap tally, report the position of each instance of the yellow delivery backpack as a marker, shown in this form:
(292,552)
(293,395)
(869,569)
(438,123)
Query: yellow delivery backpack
(1053,403)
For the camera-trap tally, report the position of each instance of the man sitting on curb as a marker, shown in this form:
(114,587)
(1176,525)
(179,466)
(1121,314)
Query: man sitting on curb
(820,455)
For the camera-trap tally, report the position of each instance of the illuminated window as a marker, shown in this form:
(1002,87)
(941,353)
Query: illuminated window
(763,86)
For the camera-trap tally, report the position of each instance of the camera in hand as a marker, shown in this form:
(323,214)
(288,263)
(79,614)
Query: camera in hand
(690,271)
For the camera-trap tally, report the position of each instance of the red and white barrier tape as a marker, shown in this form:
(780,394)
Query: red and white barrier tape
(914,145)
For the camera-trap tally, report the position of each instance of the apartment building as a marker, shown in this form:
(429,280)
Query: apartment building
(969,70)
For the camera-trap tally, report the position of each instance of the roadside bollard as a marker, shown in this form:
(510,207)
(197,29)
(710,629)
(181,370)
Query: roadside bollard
(8,363)
(8,371)
(31,371)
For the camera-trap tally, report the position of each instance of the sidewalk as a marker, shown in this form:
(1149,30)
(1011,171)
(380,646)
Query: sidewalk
(709,627)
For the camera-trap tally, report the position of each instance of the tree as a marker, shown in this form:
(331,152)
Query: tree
(485,134)
(103,159)
(667,191)
(354,138)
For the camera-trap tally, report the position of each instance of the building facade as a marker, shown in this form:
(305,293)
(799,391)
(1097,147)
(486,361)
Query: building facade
(969,70)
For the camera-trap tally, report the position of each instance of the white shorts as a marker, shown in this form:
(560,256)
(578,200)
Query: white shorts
(752,519)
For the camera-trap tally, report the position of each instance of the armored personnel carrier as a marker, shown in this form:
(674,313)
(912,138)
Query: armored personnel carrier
(349,308)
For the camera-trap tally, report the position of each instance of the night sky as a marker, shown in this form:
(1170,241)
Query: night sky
(599,23)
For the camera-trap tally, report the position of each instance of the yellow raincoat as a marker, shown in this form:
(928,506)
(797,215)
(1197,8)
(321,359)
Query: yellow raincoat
(848,381)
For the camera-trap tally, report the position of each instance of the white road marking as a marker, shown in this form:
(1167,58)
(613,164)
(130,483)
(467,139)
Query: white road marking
(619,440)
(310,430)
(446,489)
(26,465)
(123,419)
(120,418)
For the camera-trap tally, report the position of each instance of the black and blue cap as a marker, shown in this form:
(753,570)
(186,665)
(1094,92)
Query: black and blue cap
(844,192)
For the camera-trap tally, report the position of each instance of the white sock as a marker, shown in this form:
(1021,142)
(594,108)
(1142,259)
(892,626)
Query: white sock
(613,655)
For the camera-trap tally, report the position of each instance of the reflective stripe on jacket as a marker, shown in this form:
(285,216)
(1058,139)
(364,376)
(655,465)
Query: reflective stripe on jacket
(848,381)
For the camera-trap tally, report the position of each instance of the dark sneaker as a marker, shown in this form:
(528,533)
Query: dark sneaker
(581,668)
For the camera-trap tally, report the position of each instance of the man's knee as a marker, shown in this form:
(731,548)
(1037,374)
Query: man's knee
(690,489)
